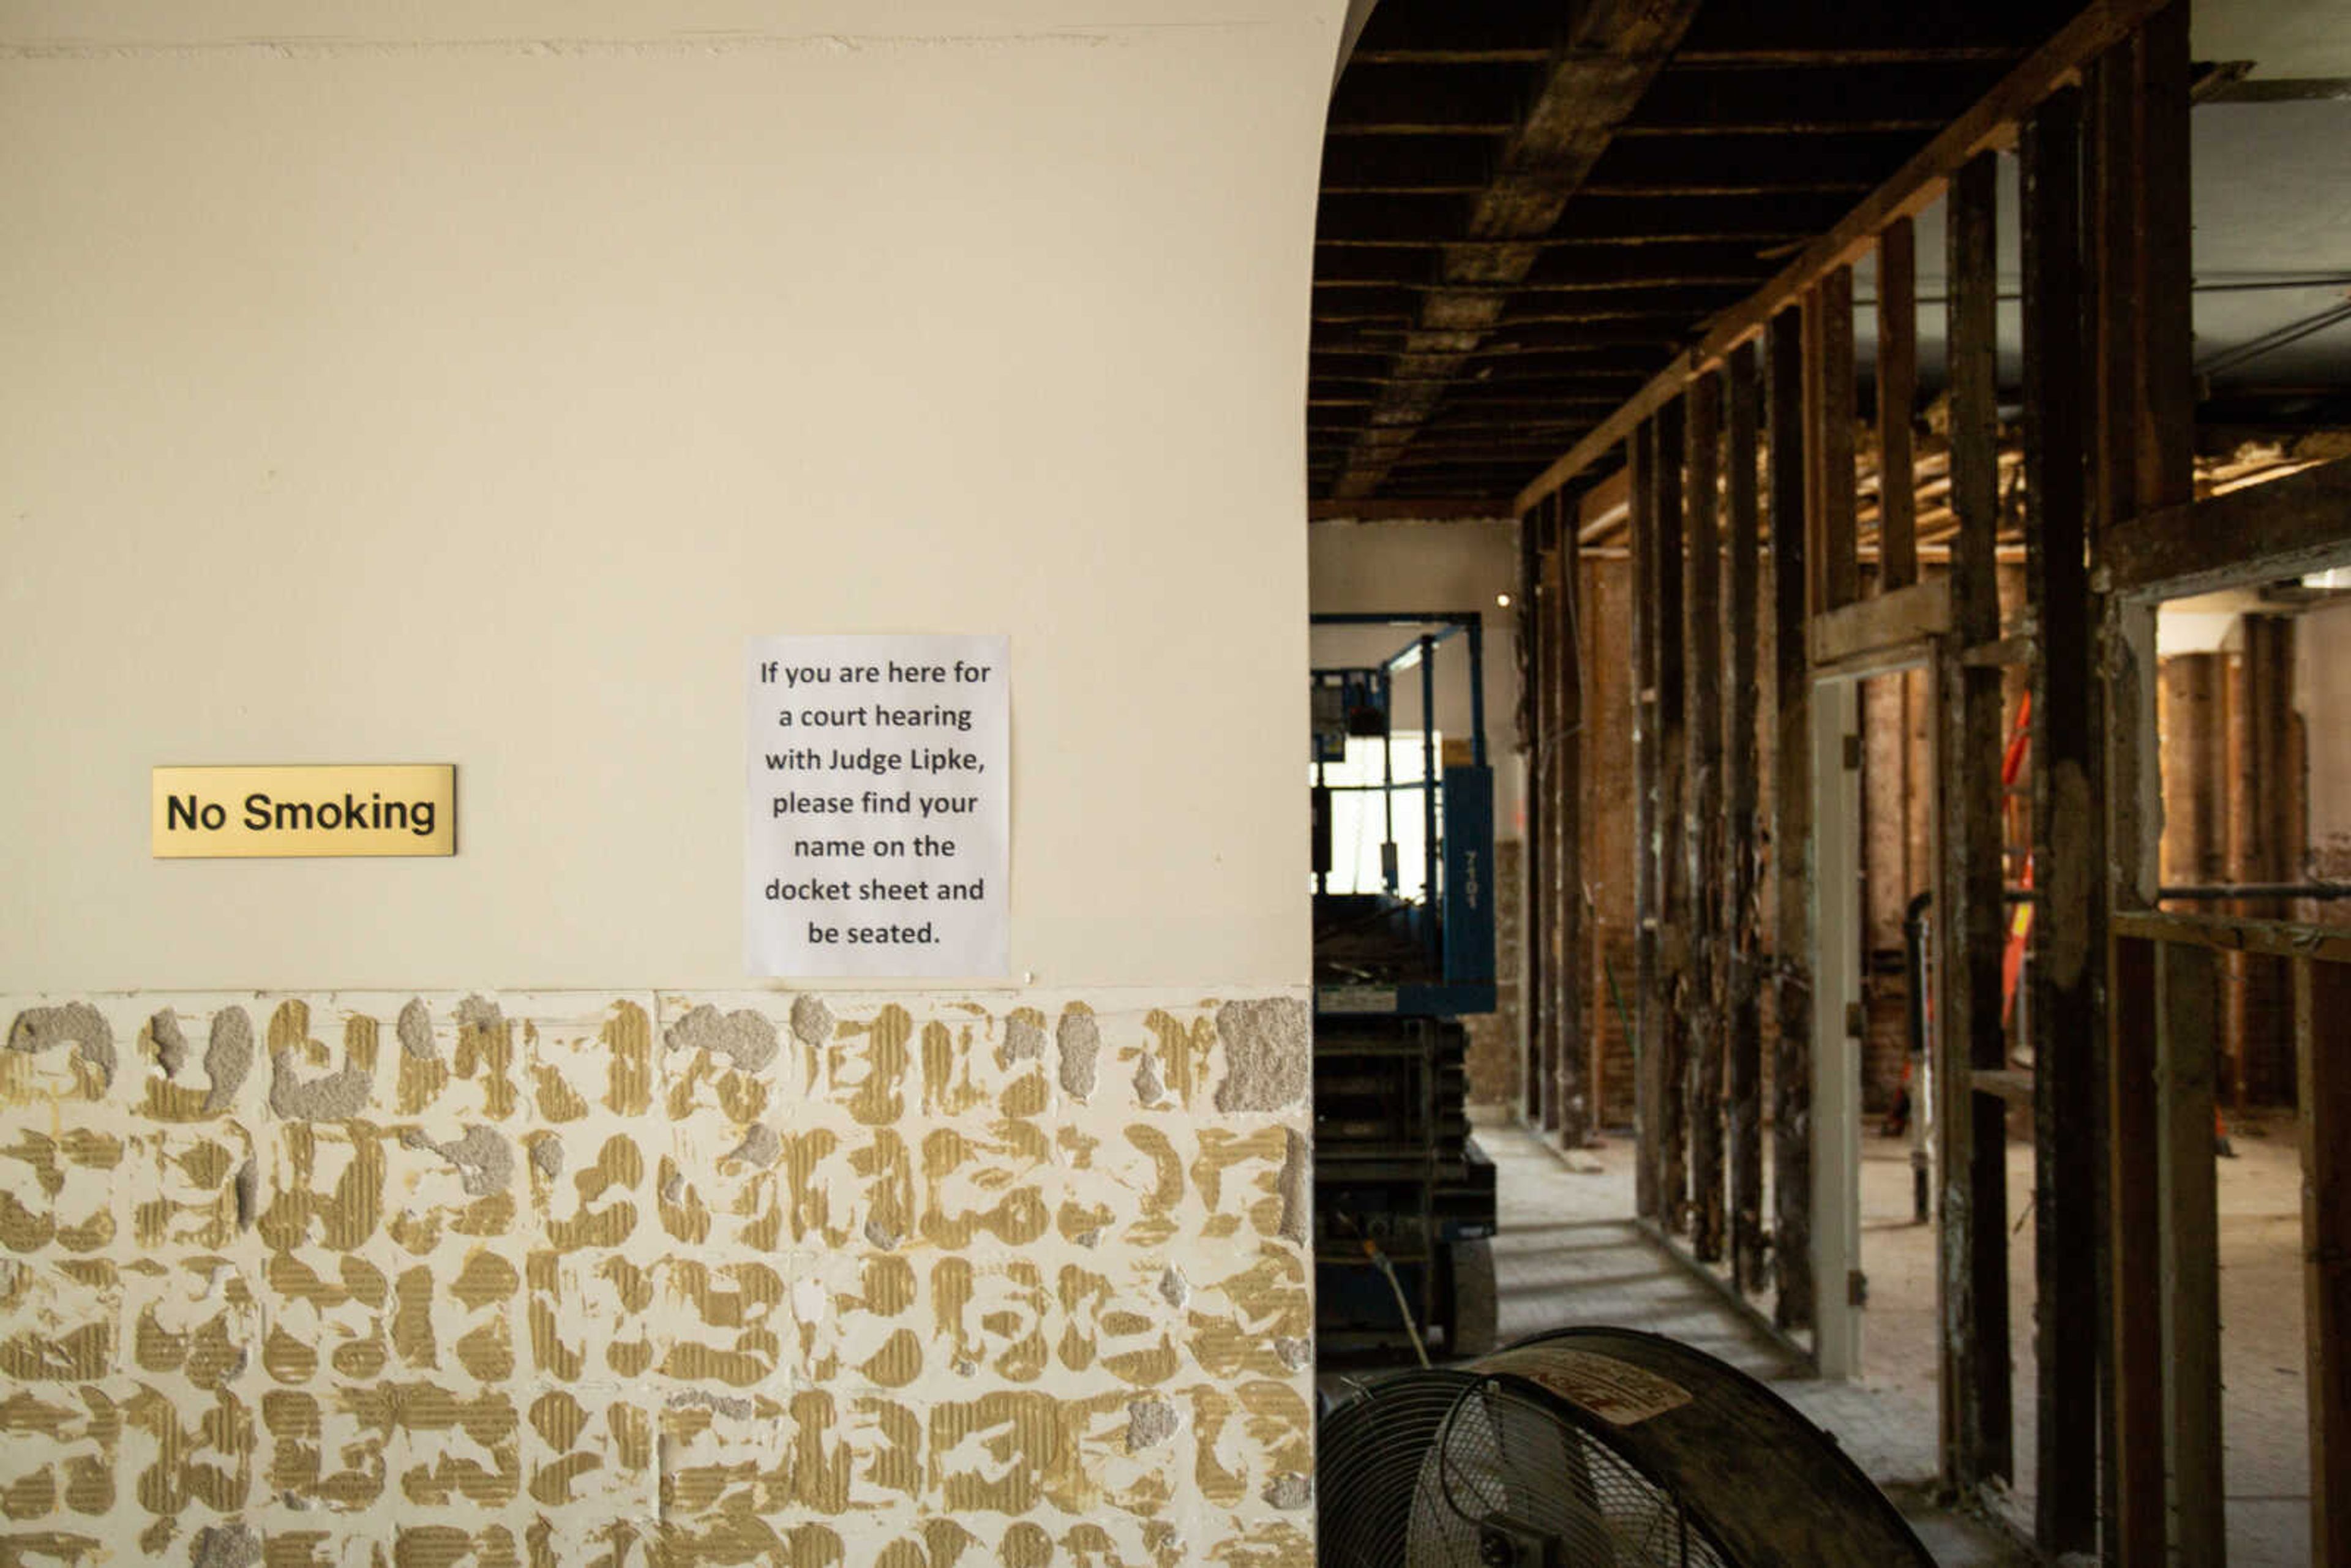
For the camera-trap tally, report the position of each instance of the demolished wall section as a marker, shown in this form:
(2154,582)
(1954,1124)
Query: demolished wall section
(689,1279)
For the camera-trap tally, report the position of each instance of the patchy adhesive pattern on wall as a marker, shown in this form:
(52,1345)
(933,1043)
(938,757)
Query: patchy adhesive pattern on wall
(582,1279)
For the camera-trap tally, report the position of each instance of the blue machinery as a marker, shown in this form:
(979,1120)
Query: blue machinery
(1453,924)
(1403,1198)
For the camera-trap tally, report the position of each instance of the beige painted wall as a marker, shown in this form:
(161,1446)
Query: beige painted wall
(464,383)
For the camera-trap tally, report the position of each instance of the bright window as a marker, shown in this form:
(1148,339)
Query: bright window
(1360,822)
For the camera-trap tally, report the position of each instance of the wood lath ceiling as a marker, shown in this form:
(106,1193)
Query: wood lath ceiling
(1527,209)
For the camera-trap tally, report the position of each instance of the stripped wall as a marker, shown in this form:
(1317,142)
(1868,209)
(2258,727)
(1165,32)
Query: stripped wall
(1012,1278)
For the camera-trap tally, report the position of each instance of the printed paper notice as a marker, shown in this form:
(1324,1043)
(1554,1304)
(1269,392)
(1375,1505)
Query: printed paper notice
(879,777)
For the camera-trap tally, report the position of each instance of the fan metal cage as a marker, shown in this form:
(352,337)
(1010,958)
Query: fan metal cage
(1462,1468)
(1593,1449)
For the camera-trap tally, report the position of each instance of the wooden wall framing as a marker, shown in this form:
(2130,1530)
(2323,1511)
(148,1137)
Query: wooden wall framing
(1750,438)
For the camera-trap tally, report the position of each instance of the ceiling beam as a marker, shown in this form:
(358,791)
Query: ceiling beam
(1440,509)
(1615,50)
(1908,189)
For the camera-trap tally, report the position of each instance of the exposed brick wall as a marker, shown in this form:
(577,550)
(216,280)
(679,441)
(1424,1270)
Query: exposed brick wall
(1497,1058)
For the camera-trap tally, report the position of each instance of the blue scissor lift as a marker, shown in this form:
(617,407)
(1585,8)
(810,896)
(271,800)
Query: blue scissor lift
(1403,1199)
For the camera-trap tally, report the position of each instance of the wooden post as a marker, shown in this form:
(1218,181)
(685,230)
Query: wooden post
(2134,1515)
(2187,1041)
(1791,830)
(1570,1097)
(1708,975)
(1897,388)
(1841,557)
(2069,932)
(1741,914)
(1672,866)
(2323,992)
(2141,405)
(1559,525)
(2265,847)
(1533,656)
(1973,1260)
(1647,1097)
(1537,940)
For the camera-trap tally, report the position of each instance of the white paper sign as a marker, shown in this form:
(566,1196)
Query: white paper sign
(879,781)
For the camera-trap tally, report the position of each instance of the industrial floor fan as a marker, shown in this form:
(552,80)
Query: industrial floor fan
(1593,1449)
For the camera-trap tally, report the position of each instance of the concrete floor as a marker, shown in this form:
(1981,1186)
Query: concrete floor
(1569,1253)
(2264,1404)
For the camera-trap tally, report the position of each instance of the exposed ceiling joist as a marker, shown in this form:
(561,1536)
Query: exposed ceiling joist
(1607,63)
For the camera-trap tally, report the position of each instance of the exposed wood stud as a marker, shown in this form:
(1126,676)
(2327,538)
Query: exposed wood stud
(2166,385)
(1673,865)
(2069,928)
(2135,1511)
(1815,408)
(1535,655)
(2187,1042)
(1840,561)
(1792,796)
(1564,878)
(1741,883)
(2323,992)
(1648,1024)
(1543,929)
(1708,976)
(1897,387)
(2142,447)
(1974,1256)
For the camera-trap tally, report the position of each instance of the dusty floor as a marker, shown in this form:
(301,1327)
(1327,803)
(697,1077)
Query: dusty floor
(1569,1253)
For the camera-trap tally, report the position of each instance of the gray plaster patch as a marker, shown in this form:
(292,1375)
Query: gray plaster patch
(44,1029)
(225,1546)
(739,1406)
(1090,1238)
(415,1029)
(229,1058)
(478,1011)
(743,1036)
(546,1156)
(1294,1188)
(1149,1089)
(760,1146)
(1149,1422)
(1296,1354)
(171,1045)
(300,1503)
(885,1238)
(1174,1291)
(1024,1036)
(1288,1490)
(672,1187)
(337,1097)
(485,1161)
(1269,1054)
(812,1020)
(965,1366)
(1080,1038)
(247,1186)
